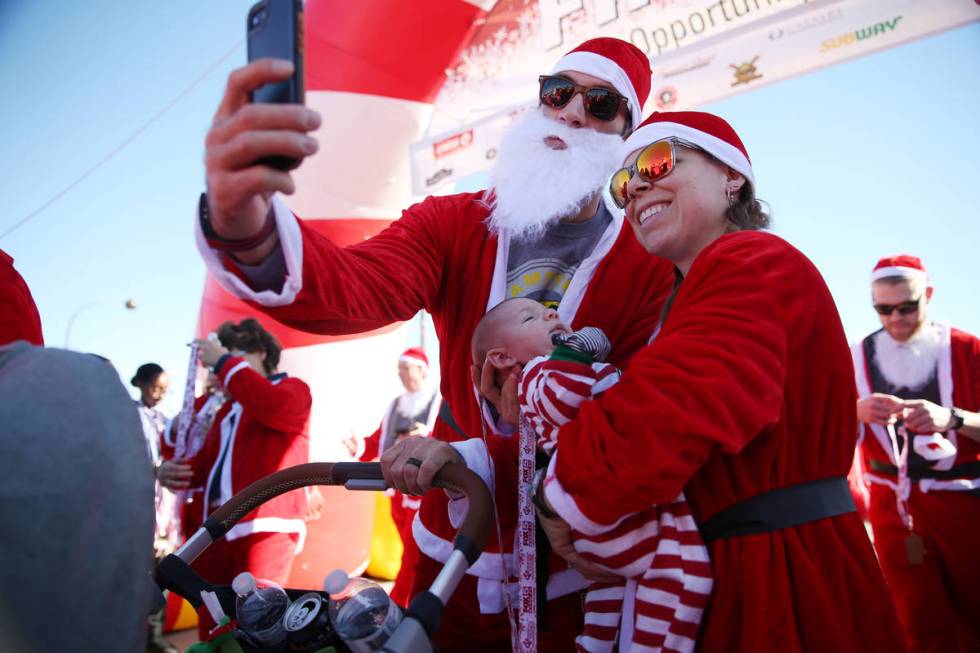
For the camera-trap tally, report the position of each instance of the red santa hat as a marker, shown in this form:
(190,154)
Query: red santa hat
(709,132)
(414,355)
(901,265)
(618,62)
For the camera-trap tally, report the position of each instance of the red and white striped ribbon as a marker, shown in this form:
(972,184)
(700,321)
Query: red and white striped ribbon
(183,428)
(904,485)
(187,408)
(525,542)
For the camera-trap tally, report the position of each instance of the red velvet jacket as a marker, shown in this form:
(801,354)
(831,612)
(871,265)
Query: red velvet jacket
(441,257)
(262,429)
(747,388)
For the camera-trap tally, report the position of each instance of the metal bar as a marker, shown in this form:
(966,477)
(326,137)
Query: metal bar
(452,572)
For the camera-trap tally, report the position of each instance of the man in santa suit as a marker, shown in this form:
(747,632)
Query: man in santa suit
(919,384)
(261,429)
(413,412)
(541,231)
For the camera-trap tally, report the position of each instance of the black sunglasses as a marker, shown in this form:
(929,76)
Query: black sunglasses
(903,308)
(601,103)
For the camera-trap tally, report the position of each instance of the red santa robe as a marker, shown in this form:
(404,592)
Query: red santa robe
(747,388)
(440,257)
(937,599)
(21,320)
(403,506)
(261,429)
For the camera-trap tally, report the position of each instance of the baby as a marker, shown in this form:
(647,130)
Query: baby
(658,552)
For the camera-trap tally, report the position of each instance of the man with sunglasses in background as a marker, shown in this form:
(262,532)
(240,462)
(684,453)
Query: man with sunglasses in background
(919,385)
(541,231)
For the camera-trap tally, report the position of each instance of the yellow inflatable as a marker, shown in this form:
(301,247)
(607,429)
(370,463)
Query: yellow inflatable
(386,545)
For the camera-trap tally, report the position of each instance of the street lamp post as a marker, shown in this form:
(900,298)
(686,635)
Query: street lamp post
(129,305)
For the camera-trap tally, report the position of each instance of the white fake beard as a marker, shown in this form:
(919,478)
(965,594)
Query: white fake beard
(411,404)
(536,186)
(909,364)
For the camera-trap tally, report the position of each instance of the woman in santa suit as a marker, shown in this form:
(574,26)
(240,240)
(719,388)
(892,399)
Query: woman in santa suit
(744,399)
(261,429)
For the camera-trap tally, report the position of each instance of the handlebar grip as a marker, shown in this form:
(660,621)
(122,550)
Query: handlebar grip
(472,534)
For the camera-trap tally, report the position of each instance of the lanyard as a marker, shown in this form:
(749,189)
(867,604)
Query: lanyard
(525,541)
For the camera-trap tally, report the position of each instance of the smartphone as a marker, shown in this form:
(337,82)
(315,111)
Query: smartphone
(275,29)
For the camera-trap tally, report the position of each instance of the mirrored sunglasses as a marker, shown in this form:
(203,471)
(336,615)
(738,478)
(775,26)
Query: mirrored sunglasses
(600,103)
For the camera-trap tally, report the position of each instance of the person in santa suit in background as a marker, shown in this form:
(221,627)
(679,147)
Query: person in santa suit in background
(153,383)
(919,383)
(541,231)
(21,321)
(413,412)
(744,399)
(261,429)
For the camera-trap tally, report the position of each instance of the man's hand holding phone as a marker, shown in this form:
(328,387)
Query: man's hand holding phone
(239,188)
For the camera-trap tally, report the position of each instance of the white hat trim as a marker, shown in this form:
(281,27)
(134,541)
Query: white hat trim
(604,68)
(899,271)
(412,359)
(724,152)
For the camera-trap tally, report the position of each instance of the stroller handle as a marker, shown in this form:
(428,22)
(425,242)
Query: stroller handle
(470,539)
(425,611)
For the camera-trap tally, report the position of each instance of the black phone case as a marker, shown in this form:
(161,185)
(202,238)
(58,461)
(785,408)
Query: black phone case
(275,29)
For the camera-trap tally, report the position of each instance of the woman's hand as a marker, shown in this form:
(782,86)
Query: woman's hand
(175,474)
(211,351)
(503,396)
(410,465)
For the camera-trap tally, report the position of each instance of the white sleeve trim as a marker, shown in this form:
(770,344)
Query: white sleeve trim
(474,454)
(232,372)
(291,240)
(270,525)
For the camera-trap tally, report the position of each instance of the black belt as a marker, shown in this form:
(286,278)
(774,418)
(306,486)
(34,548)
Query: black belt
(446,416)
(966,470)
(781,508)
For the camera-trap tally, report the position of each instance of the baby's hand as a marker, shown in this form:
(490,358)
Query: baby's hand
(587,340)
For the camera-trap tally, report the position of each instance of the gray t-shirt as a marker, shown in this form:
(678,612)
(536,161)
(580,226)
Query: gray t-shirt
(542,269)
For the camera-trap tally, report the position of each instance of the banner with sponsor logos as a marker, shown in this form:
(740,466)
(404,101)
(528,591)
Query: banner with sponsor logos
(701,51)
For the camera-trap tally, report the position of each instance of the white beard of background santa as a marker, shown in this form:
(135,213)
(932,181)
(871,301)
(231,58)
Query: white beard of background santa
(410,404)
(535,186)
(910,364)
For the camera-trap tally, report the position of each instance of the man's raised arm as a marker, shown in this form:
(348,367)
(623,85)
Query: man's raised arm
(239,190)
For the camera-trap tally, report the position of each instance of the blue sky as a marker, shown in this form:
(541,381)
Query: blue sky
(872,157)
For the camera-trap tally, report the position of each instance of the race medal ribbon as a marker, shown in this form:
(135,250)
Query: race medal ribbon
(525,542)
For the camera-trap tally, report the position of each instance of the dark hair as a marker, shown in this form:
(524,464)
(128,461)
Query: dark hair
(146,374)
(249,336)
(747,213)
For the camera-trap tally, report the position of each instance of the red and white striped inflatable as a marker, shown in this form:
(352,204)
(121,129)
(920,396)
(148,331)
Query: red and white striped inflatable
(373,70)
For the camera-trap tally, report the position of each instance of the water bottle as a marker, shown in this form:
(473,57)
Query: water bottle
(360,611)
(259,608)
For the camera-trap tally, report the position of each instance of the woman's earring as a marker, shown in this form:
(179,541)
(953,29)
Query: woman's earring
(730,193)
